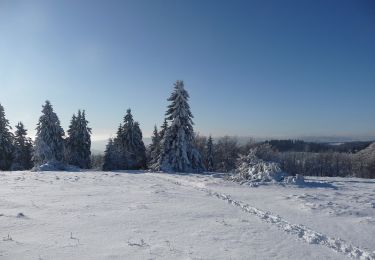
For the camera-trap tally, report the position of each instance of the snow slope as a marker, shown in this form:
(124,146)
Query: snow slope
(135,215)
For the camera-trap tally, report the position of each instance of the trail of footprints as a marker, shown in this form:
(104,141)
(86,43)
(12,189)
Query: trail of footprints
(302,232)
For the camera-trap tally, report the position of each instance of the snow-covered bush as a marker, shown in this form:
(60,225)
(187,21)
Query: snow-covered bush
(252,169)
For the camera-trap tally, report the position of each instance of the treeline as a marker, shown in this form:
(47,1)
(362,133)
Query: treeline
(322,159)
(15,148)
(302,146)
(291,158)
(174,148)
(329,163)
(19,152)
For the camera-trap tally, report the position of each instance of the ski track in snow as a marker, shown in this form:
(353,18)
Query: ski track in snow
(302,232)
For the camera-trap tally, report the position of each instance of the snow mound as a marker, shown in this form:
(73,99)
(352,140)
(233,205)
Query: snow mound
(56,166)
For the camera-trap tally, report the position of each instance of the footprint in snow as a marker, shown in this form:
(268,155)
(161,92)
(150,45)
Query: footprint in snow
(21,215)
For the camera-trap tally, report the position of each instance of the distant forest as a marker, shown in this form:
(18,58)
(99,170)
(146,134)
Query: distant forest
(302,146)
(350,159)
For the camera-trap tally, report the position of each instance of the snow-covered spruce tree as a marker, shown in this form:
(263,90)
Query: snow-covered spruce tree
(86,140)
(6,142)
(139,148)
(70,151)
(155,165)
(49,143)
(120,158)
(210,154)
(111,157)
(131,143)
(127,151)
(23,149)
(196,160)
(199,144)
(154,148)
(78,144)
(163,129)
(178,153)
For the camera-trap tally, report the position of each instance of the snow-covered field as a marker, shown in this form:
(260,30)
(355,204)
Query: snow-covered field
(136,215)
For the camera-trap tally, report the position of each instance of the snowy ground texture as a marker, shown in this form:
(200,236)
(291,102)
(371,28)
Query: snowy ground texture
(136,215)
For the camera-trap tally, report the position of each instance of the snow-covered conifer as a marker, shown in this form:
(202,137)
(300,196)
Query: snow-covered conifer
(49,143)
(154,147)
(120,158)
(78,144)
(86,137)
(110,156)
(196,160)
(128,146)
(70,142)
(155,165)
(6,142)
(23,148)
(210,154)
(139,148)
(163,129)
(178,153)
(132,146)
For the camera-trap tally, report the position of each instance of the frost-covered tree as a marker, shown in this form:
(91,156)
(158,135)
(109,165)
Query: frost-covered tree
(6,142)
(120,159)
(364,162)
(70,142)
(210,154)
(127,150)
(49,143)
(139,148)
(197,164)
(163,129)
(226,154)
(111,156)
(178,153)
(154,148)
(23,148)
(200,142)
(133,148)
(78,144)
(155,164)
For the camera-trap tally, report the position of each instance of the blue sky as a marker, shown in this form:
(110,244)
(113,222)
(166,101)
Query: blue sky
(252,68)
